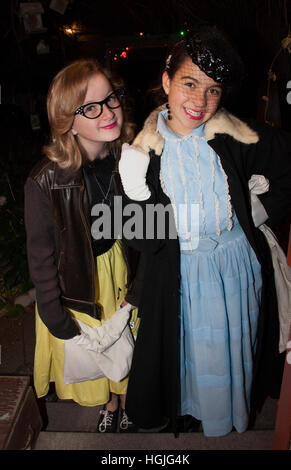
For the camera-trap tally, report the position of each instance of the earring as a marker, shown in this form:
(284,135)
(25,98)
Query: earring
(169,111)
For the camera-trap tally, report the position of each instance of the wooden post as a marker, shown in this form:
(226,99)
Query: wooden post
(289,250)
(282,435)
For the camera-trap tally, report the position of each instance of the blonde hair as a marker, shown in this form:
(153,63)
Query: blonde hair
(66,93)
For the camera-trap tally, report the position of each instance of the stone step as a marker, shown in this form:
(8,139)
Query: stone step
(250,440)
(67,416)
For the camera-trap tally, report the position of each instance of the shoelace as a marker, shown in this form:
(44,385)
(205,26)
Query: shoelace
(106,421)
(125,422)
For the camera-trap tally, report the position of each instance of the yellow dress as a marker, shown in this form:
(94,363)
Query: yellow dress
(49,350)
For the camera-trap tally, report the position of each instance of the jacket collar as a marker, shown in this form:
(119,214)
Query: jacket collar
(221,123)
(225,123)
(64,177)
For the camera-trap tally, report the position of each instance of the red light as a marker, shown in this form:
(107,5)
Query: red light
(123,54)
(141,34)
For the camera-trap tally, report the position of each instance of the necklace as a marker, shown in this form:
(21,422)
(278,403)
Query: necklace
(105,196)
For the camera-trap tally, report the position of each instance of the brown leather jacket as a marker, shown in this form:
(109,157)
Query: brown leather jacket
(61,262)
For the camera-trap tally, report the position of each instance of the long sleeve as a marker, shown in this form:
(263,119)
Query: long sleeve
(133,296)
(274,162)
(41,252)
(148,239)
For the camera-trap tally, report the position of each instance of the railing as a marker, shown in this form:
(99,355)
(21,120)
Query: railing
(282,436)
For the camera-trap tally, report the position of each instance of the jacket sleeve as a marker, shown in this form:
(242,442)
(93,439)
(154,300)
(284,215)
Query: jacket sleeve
(41,253)
(133,296)
(146,239)
(273,160)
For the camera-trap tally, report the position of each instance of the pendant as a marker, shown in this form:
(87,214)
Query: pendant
(108,203)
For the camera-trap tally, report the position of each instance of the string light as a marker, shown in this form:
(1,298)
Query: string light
(71,30)
(124,51)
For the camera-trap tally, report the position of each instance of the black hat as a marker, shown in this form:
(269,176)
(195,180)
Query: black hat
(214,54)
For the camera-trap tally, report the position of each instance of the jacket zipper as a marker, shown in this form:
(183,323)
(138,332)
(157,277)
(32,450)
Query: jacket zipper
(89,240)
(115,176)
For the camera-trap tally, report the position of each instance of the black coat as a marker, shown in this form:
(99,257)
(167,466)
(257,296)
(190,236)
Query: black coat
(154,386)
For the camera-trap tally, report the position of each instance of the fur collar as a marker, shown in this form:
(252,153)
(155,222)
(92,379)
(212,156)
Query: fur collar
(221,123)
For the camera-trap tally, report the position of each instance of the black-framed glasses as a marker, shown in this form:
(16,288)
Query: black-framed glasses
(94,110)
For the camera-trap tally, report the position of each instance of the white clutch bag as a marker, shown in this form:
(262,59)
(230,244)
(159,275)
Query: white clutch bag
(104,351)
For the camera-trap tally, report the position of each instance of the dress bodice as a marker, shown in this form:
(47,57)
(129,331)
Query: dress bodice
(193,178)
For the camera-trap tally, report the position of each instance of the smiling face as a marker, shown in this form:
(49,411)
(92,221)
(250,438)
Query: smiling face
(94,134)
(193,97)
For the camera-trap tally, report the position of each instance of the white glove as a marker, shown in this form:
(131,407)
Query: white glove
(101,337)
(258,184)
(133,167)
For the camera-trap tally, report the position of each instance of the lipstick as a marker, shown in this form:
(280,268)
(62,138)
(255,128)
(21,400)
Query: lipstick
(110,126)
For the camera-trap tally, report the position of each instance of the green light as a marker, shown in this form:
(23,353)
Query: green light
(182,33)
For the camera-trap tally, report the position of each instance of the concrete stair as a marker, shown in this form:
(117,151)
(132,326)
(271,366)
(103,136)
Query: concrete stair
(73,427)
(250,440)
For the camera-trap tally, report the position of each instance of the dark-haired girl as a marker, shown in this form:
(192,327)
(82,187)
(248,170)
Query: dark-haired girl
(208,341)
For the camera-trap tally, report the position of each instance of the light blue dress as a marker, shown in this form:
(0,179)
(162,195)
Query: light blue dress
(220,285)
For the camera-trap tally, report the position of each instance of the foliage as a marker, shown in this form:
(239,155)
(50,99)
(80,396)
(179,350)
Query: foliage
(14,278)
(16,159)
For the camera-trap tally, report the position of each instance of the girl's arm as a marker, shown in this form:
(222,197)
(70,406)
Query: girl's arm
(271,157)
(140,183)
(41,252)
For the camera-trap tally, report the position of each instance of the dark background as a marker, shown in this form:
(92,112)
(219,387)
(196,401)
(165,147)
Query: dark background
(103,29)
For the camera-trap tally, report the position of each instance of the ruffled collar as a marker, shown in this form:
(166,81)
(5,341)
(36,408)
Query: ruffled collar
(168,134)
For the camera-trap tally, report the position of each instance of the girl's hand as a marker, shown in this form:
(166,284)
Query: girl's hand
(258,184)
(126,303)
